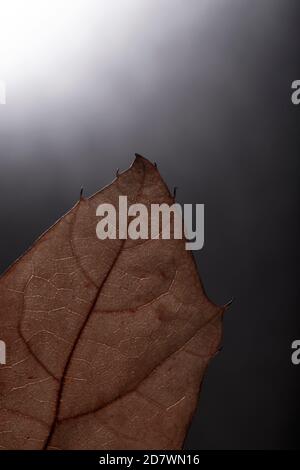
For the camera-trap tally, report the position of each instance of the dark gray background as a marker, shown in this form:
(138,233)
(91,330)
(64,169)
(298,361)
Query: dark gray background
(203,88)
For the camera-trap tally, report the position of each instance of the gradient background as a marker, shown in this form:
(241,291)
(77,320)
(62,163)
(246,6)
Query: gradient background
(202,87)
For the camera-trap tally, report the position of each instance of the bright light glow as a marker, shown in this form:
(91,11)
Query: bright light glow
(32,29)
(34,33)
(53,46)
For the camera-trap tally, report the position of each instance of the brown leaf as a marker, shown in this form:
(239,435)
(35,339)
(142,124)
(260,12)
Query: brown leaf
(107,341)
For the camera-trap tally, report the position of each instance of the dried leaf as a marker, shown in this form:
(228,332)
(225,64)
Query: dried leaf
(107,341)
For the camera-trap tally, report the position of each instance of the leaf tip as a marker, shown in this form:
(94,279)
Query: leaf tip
(144,160)
(138,156)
